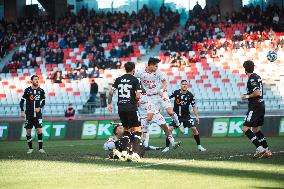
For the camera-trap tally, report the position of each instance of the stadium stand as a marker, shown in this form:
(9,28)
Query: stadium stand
(217,79)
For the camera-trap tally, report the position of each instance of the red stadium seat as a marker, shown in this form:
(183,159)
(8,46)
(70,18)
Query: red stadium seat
(5,83)
(173,82)
(235,72)
(178,77)
(225,80)
(69,89)
(207,85)
(61,85)
(240,84)
(51,94)
(215,89)
(2,95)
(76,93)
(12,87)
(20,91)
(199,81)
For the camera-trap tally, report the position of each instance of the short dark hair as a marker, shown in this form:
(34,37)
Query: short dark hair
(32,78)
(183,81)
(129,66)
(249,66)
(153,61)
(115,128)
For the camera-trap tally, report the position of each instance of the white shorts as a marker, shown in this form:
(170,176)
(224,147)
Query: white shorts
(157,118)
(160,102)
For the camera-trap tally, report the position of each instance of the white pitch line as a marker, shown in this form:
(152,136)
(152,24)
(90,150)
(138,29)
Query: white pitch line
(139,166)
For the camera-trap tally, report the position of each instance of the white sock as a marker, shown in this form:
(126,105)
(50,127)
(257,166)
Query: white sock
(175,118)
(171,139)
(147,137)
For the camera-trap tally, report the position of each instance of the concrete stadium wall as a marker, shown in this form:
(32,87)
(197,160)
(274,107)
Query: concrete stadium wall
(102,128)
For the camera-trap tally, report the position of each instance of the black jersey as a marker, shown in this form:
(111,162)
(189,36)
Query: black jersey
(182,102)
(254,83)
(127,85)
(34,98)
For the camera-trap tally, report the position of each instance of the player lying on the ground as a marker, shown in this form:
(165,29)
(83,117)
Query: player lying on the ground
(115,144)
(183,99)
(148,114)
(256,111)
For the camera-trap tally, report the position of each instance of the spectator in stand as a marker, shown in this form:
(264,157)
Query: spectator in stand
(70,113)
(93,91)
(58,76)
(69,75)
(59,56)
(95,73)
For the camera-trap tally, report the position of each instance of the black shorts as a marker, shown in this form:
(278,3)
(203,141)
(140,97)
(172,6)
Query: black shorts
(129,119)
(33,121)
(255,115)
(185,121)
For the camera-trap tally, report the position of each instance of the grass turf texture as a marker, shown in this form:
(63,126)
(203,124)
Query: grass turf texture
(81,164)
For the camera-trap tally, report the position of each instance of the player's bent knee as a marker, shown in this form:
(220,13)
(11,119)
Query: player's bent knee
(170,111)
(255,129)
(39,131)
(245,128)
(195,131)
(28,132)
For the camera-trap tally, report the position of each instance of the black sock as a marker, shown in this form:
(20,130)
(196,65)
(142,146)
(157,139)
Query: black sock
(30,141)
(253,138)
(167,142)
(261,139)
(125,141)
(137,142)
(40,141)
(197,139)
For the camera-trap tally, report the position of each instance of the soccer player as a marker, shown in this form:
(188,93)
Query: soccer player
(148,114)
(154,83)
(128,86)
(183,99)
(256,110)
(114,143)
(34,96)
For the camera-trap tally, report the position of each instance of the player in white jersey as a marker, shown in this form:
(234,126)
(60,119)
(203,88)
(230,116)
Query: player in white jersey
(154,83)
(149,114)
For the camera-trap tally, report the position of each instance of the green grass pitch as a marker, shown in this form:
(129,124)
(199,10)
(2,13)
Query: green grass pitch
(81,164)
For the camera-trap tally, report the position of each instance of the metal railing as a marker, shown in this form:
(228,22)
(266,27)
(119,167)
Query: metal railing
(99,108)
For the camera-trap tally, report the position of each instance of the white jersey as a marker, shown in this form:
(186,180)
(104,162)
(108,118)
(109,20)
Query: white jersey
(146,107)
(110,143)
(151,82)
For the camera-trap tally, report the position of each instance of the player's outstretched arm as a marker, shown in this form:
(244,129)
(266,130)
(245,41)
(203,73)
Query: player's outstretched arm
(22,102)
(109,100)
(195,112)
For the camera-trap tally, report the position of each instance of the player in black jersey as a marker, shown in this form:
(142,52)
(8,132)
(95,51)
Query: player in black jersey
(128,86)
(256,111)
(34,97)
(183,99)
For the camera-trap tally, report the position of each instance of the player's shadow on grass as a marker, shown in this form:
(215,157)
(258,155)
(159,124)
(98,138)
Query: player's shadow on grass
(188,168)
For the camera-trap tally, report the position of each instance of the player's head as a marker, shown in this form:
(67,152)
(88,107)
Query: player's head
(129,67)
(249,66)
(153,64)
(184,85)
(118,130)
(35,80)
